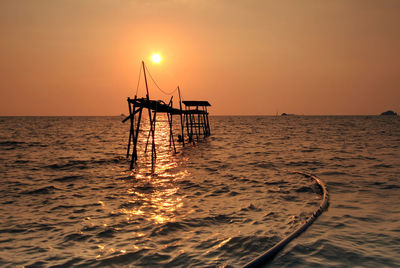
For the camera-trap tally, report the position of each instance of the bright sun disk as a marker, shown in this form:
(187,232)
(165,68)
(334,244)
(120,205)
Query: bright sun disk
(156,58)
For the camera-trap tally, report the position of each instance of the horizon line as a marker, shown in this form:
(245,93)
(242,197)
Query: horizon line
(276,115)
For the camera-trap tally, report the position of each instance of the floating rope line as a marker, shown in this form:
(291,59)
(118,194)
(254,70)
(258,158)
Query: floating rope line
(154,81)
(269,254)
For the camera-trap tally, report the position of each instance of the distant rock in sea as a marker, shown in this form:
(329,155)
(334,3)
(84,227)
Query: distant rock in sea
(285,114)
(389,113)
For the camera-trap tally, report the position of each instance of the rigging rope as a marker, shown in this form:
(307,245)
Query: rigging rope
(163,91)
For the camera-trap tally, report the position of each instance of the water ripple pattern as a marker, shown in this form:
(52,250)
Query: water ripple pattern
(68,198)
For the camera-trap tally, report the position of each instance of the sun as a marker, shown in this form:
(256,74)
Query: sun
(156,58)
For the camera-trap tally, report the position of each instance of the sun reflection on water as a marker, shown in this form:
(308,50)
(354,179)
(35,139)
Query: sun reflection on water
(155,193)
(158,205)
(154,197)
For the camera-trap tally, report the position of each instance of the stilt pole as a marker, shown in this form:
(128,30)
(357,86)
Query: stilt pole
(132,117)
(198,123)
(170,117)
(171,134)
(208,123)
(204,125)
(191,128)
(182,122)
(134,153)
(187,123)
(153,143)
(130,129)
(148,135)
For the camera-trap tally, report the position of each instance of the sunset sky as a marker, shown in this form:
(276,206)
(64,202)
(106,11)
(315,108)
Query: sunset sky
(253,57)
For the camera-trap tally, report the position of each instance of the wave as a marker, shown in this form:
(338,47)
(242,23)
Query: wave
(69,178)
(43,190)
(12,145)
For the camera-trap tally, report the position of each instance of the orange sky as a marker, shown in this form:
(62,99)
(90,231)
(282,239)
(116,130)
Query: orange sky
(246,57)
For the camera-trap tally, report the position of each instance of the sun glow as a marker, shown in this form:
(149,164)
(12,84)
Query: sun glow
(156,58)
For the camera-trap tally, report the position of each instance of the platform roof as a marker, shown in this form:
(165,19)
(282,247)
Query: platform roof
(196,103)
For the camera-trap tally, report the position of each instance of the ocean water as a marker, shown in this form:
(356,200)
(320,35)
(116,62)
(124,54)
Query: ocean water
(67,197)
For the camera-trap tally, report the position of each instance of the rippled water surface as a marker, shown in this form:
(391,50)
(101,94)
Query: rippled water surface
(68,198)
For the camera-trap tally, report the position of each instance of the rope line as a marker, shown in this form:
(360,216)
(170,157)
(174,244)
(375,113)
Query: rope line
(269,254)
(163,91)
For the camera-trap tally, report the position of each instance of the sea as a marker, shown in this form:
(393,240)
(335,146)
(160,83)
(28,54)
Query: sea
(69,199)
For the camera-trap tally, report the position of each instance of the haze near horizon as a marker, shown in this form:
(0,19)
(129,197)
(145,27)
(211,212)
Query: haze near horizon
(246,58)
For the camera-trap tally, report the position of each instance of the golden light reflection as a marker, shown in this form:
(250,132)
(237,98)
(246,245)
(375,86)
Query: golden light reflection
(158,206)
(219,245)
(154,194)
(158,198)
(132,211)
(160,219)
(224,242)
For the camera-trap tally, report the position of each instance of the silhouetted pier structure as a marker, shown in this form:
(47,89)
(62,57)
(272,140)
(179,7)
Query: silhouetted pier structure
(196,119)
(193,119)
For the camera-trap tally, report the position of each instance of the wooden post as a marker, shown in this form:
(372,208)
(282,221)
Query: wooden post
(153,144)
(187,122)
(205,121)
(171,134)
(208,123)
(182,123)
(169,114)
(198,123)
(134,152)
(130,130)
(150,131)
(191,127)
(170,117)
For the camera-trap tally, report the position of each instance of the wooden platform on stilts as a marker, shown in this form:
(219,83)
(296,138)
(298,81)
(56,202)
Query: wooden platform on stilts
(193,120)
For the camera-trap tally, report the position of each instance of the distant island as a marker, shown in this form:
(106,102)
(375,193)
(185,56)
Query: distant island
(389,113)
(285,114)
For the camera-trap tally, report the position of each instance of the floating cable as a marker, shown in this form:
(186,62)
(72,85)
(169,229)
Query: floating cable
(163,91)
(269,254)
